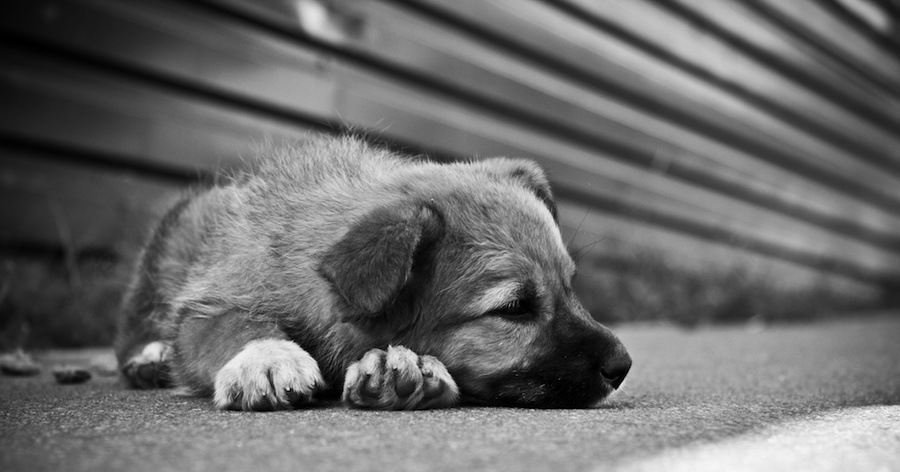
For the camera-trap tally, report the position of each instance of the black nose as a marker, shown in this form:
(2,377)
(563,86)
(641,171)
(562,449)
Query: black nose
(616,368)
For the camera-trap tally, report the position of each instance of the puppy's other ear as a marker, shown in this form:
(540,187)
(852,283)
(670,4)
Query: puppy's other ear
(527,173)
(373,261)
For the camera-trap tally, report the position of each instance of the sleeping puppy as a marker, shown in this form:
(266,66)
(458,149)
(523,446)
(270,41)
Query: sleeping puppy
(336,268)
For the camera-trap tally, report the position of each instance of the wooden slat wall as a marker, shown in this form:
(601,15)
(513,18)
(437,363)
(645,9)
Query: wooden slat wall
(721,133)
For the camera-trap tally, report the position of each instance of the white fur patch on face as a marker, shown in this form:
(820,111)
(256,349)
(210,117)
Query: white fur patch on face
(495,297)
(607,399)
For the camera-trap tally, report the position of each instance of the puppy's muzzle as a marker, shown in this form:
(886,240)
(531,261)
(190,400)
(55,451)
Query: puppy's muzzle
(580,362)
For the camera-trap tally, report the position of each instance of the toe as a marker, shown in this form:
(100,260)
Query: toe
(404,369)
(440,390)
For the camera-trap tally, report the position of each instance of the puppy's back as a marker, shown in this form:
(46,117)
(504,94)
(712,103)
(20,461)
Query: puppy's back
(261,227)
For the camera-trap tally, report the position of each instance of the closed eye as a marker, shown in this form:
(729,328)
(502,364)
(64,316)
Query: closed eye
(518,309)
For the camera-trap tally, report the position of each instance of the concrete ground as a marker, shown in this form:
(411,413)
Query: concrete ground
(798,397)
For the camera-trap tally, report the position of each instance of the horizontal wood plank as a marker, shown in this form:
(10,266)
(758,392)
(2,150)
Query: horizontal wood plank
(59,101)
(821,99)
(50,201)
(822,26)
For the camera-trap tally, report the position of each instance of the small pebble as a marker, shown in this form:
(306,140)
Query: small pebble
(19,363)
(71,375)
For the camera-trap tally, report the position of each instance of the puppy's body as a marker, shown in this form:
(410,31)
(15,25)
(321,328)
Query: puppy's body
(300,274)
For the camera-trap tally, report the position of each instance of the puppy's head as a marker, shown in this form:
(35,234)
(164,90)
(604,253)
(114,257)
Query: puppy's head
(468,265)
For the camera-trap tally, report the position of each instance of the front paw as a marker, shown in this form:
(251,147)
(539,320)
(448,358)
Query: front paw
(399,379)
(150,368)
(268,374)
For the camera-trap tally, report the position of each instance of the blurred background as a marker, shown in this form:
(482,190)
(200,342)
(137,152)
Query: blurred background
(714,160)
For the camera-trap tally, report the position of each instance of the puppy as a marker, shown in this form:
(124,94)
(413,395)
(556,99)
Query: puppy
(337,268)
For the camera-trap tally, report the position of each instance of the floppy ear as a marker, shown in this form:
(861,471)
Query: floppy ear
(373,261)
(527,173)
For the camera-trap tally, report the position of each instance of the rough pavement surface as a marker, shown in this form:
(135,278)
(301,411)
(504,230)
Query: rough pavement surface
(692,400)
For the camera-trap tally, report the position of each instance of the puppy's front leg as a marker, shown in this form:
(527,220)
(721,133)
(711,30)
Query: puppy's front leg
(245,364)
(399,379)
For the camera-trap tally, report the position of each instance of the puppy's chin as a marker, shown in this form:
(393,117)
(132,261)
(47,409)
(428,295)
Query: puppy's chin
(528,394)
(605,401)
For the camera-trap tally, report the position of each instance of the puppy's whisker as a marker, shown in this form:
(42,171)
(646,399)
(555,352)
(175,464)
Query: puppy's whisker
(586,249)
(577,229)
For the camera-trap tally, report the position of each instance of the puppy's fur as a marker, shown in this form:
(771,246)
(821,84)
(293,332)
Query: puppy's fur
(340,268)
